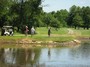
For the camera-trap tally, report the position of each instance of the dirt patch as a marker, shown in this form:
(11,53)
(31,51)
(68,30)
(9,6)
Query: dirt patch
(83,39)
(25,40)
(27,43)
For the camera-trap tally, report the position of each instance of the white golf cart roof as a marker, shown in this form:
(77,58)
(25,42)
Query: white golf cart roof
(7,26)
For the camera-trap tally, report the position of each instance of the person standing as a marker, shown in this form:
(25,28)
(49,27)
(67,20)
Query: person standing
(26,30)
(49,32)
(32,31)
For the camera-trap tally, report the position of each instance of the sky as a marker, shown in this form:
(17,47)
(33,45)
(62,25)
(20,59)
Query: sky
(54,5)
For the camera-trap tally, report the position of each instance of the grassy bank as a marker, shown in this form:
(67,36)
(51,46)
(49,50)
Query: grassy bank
(60,35)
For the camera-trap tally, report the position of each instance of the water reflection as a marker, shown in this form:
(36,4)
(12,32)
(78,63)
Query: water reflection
(9,56)
(46,57)
(82,52)
(49,53)
(18,57)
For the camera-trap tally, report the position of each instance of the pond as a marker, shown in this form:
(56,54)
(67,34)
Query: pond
(46,57)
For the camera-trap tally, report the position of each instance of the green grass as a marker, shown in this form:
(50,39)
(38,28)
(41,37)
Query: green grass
(82,32)
(60,35)
(57,39)
(11,37)
(43,30)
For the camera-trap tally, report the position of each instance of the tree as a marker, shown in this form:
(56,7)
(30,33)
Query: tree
(77,21)
(25,12)
(32,12)
(4,8)
(72,13)
(55,23)
(61,16)
(86,17)
(47,19)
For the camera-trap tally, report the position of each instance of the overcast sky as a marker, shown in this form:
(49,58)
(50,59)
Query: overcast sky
(54,5)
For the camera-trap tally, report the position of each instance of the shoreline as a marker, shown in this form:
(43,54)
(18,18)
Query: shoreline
(28,43)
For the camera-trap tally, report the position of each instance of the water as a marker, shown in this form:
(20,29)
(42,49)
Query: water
(46,57)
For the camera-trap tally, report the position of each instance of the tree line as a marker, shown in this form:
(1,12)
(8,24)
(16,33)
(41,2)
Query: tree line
(76,17)
(19,13)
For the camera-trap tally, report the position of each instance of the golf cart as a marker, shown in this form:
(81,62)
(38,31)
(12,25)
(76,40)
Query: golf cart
(7,31)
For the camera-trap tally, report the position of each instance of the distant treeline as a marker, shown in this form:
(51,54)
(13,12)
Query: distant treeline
(18,13)
(76,17)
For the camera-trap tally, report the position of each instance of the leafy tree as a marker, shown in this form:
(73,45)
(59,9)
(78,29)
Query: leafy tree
(50,20)
(47,19)
(25,12)
(72,13)
(62,17)
(77,21)
(4,8)
(55,23)
(86,17)
(32,12)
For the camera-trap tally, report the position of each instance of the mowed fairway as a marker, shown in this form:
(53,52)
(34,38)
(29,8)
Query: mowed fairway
(60,35)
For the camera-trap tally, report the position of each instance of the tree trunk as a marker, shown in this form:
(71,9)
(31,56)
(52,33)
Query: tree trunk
(87,28)
(75,27)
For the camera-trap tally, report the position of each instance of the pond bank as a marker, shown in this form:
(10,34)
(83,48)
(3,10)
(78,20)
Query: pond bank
(26,42)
